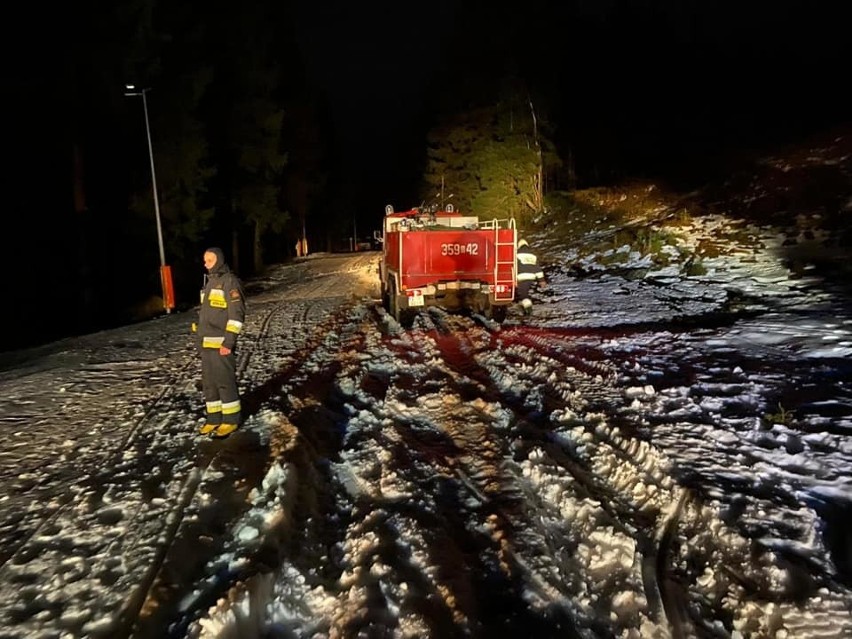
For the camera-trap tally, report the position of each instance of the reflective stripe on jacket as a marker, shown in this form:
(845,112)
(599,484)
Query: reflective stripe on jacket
(528,269)
(222,312)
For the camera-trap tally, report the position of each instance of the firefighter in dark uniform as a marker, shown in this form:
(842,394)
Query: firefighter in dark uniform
(529,272)
(220,321)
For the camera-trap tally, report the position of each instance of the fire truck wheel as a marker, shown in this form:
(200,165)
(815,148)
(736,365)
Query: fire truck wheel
(385,300)
(393,300)
(406,318)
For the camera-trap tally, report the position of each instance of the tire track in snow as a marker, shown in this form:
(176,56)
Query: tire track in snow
(49,482)
(440,511)
(152,596)
(403,481)
(154,439)
(146,436)
(310,520)
(413,452)
(229,470)
(475,453)
(622,513)
(65,494)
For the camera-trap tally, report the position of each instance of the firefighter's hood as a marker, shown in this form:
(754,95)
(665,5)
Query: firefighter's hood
(220,266)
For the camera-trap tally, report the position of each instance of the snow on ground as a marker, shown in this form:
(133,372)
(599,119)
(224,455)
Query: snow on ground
(651,454)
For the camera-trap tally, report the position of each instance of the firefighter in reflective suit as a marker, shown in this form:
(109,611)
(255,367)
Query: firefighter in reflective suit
(220,321)
(529,272)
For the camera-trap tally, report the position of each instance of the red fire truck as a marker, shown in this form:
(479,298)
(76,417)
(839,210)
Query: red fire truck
(443,258)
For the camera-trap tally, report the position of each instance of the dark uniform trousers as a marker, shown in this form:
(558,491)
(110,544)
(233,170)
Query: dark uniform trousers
(218,380)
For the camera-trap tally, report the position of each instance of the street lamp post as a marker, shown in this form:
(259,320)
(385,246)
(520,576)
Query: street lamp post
(165,270)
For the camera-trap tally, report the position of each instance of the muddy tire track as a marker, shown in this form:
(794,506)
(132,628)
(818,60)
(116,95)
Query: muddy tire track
(531,429)
(361,513)
(426,451)
(483,566)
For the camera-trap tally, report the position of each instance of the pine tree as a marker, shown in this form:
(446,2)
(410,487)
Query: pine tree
(244,123)
(491,158)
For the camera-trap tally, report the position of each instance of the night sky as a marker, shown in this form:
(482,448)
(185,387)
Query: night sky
(650,88)
(377,63)
(659,86)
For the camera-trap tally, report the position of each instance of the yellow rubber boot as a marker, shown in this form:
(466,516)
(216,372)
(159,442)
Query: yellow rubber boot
(207,428)
(223,430)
